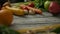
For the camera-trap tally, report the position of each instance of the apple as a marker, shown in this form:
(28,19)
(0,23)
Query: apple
(54,8)
(46,4)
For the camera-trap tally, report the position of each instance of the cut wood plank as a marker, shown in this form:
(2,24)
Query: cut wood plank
(40,29)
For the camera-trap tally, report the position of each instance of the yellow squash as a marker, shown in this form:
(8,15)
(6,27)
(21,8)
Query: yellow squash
(15,11)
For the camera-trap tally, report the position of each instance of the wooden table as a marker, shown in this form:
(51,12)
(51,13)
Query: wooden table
(31,21)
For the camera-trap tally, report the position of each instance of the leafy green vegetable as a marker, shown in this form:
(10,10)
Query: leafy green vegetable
(39,3)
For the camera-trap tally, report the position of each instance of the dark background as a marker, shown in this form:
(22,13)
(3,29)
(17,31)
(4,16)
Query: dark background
(15,1)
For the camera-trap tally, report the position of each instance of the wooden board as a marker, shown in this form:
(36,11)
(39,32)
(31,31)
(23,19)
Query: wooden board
(31,21)
(46,29)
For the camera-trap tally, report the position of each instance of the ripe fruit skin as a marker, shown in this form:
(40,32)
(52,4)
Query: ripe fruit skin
(54,8)
(15,11)
(6,17)
(24,7)
(46,4)
(31,4)
(19,12)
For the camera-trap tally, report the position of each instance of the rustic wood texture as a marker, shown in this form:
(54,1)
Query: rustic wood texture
(31,21)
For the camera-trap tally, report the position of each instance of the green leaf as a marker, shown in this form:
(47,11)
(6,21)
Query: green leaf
(39,3)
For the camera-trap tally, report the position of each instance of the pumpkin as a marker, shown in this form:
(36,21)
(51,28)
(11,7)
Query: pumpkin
(6,17)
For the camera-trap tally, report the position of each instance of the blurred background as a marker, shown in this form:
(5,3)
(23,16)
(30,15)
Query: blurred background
(15,1)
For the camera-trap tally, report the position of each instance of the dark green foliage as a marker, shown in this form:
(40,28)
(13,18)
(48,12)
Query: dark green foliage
(39,3)
(57,30)
(6,30)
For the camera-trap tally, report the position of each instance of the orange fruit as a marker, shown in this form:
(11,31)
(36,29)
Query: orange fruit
(6,17)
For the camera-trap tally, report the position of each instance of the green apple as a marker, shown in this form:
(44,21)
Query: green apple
(46,4)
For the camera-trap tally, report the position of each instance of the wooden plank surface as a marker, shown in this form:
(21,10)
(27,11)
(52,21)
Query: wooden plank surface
(31,21)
